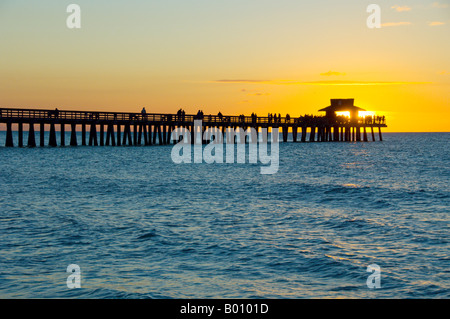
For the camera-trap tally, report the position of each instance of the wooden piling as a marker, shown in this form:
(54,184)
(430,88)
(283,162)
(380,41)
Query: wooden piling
(73,135)
(42,134)
(154,133)
(9,135)
(294,133)
(149,134)
(285,133)
(144,132)
(164,134)
(110,137)
(83,134)
(160,135)
(102,135)
(63,135)
(139,137)
(52,137)
(304,131)
(20,132)
(312,134)
(93,141)
(169,134)
(31,135)
(358,133)
(118,135)
(127,135)
(135,132)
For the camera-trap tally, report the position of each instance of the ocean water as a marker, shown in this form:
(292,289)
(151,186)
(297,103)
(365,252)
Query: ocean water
(140,226)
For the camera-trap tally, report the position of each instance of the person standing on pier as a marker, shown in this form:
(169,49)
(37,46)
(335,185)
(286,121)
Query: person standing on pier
(54,113)
(144,114)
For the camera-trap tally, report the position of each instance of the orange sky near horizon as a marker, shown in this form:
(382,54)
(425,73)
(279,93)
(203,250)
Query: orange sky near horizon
(232,56)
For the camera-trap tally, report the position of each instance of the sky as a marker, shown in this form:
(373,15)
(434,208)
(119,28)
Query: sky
(232,56)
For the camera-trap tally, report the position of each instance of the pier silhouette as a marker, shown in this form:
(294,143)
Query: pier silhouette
(119,128)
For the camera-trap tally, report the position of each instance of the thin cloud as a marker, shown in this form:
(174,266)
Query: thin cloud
(331,73)
(435,23)
(401,8)
(440,5)
(395,24)
(253,92)
(328,83)
(444,73)
(357,83)
(241,81)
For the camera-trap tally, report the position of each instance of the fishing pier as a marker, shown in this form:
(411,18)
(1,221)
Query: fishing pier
(116,128)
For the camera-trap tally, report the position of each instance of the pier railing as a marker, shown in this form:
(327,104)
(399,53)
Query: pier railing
(40,114)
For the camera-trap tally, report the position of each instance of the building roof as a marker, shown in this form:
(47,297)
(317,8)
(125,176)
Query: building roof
(342,105)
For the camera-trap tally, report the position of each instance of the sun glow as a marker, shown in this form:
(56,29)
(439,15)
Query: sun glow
(345,114)
(365,113)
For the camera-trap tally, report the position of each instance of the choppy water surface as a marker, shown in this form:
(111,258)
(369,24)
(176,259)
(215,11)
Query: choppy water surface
(140,226)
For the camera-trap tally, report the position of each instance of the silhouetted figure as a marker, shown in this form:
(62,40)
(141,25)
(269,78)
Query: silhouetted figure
(144,114)
(199,115)
(54,113)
